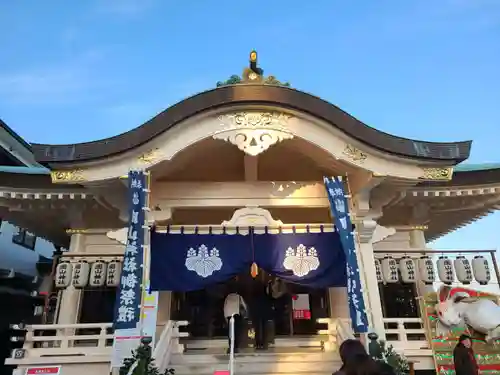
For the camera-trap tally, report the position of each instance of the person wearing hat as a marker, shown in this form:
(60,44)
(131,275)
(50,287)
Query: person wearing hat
(464,358)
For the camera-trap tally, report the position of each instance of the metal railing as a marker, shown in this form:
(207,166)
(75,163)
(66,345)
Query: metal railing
(231,345)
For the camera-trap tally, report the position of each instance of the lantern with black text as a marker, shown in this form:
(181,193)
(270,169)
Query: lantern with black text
(407,269)
(463,269)
(445,270)
(98,274)
(113,273)
(378,271)
(481,269)
(426,271)
(63,274)
(81,272)
(390,270)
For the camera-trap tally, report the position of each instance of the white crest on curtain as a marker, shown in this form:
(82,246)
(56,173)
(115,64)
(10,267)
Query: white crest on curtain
(203,261)
(301,261)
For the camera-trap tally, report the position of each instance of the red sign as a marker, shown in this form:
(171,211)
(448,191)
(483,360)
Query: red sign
(302,314)
(52,370)
(221,372)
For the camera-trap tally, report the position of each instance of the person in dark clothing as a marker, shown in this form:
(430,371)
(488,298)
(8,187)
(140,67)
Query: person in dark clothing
(260,311)
(464,358)
(356,361)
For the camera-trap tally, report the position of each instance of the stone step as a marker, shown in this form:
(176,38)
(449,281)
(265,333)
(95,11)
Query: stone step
(299,356)
(280,342)
(259,367)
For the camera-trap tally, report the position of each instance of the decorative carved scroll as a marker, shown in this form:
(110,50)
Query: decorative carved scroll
(437,174)
(354,154)
(254,132)
(67,176)
(252,216)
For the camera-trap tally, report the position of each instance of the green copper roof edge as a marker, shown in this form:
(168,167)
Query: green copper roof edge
(16,136)
(476,167)
(25,170)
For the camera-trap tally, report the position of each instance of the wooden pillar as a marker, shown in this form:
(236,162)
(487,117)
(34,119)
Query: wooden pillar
(337,302)
(71,297)
(372,294)
(417,241)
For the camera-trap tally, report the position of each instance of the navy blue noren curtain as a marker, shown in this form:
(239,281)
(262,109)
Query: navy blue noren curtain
(186,262)
(310,259)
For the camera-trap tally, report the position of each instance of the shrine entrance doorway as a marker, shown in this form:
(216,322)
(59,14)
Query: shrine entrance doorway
(204,308)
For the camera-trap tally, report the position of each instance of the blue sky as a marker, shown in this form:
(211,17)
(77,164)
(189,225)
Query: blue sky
(75,71)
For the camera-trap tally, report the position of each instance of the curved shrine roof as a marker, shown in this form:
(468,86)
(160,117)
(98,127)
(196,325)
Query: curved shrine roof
(252,94)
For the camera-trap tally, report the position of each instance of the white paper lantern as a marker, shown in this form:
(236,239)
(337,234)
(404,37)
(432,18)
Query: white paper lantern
(378,271)
(463,269)
(64,271)
(390,270)
(113,273)
(445,270)
(481,268)
(81,272)
(407,269)
(98,274)
(426,271)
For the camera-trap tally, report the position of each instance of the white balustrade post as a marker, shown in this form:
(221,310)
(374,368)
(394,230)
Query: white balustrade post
(102,337)
(402,333)
(63,334)
(333,335)
(28,338)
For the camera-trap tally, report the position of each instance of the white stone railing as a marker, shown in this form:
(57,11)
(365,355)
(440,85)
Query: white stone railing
(168,344)
(66,340)
(338,331)
(405,333)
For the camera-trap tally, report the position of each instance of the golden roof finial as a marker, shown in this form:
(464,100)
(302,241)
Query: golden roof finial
(253,56)
(253,74)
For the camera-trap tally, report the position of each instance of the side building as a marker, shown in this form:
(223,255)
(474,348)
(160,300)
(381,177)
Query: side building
(25,259)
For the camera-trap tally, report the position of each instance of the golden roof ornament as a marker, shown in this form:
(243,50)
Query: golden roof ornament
(252,74)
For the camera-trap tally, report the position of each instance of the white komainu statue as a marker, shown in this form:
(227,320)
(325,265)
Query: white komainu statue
(462,310)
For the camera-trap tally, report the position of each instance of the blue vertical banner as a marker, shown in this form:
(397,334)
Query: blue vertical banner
(128,301)
(340,210)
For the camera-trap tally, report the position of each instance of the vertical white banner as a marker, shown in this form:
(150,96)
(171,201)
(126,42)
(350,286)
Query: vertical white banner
(150,315)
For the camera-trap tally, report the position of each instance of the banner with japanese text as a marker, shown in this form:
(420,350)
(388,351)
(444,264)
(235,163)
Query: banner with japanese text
(340,210)
(127,306)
